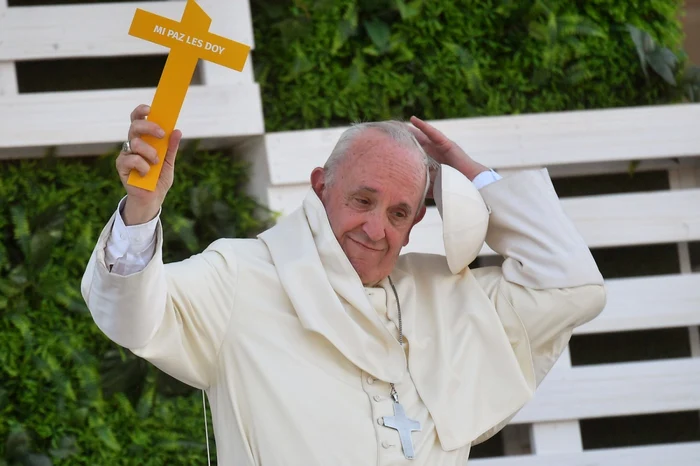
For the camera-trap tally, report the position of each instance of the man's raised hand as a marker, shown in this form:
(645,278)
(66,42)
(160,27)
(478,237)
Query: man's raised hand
(443,150)
(142,205)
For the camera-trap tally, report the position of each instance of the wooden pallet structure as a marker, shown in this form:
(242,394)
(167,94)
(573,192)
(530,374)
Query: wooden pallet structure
(223,108)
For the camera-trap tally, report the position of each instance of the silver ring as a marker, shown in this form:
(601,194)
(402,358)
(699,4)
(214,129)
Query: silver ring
(126,147)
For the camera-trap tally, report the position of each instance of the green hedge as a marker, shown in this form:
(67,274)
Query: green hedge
(328,62)
(65,389)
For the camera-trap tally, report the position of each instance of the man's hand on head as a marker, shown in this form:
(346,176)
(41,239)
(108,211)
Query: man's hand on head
(443,150)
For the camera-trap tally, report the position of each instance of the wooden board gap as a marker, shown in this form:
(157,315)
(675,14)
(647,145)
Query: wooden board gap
(641,345)
(79,74)
(651,429)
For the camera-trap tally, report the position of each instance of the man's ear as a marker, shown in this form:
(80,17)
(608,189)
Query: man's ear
(318,181)
(418,218)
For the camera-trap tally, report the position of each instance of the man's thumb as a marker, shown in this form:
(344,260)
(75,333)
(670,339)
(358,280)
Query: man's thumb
(173,145)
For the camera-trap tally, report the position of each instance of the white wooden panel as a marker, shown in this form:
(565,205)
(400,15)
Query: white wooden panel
(547,438)
(616,390)
(680,454)
(103,116)
(643,303)
(102,29)
(525,140)
(8,79)
(229,17)
(604,221)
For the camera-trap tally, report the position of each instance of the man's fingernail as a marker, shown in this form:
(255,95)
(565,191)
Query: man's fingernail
(161,133)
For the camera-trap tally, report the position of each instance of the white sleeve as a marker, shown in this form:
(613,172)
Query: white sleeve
(485,178)
(130,248)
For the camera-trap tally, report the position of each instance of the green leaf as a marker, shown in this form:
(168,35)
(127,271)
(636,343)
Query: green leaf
(67,447)
(105,434)
(22,231)
(640,39)
(380,33)
(664,62)
(409,10)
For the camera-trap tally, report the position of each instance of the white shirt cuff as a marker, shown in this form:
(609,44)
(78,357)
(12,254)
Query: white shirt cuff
(485,178)
(130,248)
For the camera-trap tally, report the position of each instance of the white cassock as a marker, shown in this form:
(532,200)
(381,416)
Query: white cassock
(296,356)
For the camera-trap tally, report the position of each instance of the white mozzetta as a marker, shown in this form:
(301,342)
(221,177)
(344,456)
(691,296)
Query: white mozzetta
(525,140)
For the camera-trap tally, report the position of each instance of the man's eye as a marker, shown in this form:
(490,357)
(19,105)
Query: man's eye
(400,214)
(362,201)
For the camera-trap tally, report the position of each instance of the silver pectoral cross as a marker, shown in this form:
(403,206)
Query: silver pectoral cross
(404,426)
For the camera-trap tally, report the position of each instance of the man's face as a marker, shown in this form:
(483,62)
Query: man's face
(374,201)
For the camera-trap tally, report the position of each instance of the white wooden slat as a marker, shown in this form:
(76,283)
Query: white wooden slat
(87,117)
(604,221)
(644,303)
(8,76)
(102,29)
(621,389)
(8,79)
(678,454)
(532,140)
(547,438)
(227,20)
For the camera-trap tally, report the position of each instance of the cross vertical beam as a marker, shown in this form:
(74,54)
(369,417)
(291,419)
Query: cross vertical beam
(189,40)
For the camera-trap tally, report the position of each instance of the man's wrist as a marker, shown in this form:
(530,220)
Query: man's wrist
(471,169)
(138,214)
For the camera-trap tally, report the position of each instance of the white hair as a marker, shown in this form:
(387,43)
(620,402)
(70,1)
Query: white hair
(396,130)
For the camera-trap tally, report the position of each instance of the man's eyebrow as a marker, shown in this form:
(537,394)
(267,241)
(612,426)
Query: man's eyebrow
(403,205)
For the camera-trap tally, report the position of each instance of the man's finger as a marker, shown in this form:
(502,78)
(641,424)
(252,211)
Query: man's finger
(141,128)
(420,137)
(435,136)
(140,112)
(128,162)
(145,150)
(173,145)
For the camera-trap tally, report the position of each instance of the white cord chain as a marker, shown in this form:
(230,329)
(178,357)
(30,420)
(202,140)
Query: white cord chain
(206,427)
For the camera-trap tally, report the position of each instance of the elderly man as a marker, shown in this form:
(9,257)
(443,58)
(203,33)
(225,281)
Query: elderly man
(317,342)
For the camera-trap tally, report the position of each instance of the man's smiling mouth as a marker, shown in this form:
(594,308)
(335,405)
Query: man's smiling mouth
(364,246)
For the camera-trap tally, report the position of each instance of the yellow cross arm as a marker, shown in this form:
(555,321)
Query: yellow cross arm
(195,40)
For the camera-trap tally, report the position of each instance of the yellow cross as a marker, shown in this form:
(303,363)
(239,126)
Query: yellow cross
(189,40)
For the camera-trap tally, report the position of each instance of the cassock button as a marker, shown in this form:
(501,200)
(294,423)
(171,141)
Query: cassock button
(386,444)
(377,397)
(370,380)
(380,421)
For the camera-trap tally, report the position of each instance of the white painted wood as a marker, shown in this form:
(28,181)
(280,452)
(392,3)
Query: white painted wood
(233,20)
(679,454)
(88,117)
(525,140)
(8,79)
(604,221)
(102,29)
(644,303)
(8,76)
(616,390)
(548,438)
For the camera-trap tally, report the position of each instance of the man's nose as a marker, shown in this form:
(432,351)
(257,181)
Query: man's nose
(374,227)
